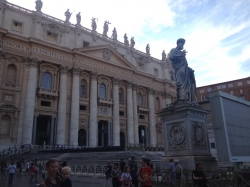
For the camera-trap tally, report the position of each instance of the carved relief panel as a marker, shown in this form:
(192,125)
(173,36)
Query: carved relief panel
(177,136)
(199,138)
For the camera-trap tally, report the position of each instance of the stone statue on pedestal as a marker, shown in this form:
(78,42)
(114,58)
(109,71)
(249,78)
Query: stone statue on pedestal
(68,15)
(78,18)
(148,49)
(132,42)
(93,24)
(114,34)
(126,42)
(39,5)
(106,28)
(164,56)
(184,76)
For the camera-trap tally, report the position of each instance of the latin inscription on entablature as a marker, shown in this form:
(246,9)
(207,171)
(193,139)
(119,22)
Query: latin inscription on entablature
(15,45)
(52,54)
(197,114)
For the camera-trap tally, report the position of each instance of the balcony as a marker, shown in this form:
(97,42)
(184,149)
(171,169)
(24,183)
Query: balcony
(142,109)
(105,101)
(47,93)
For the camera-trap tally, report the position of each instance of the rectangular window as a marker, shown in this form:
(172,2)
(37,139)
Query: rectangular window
(121,113)
(230,85)
(231,92)
(218,87)
(223,86)
(156,72)
(241,92)
(52,36)
(141,117)
(82,90)
(46,103)
(239,83)
(17,26)
(202,91)
(83,107)
(248,81)
(212,145)
(209,89)
(203,98)
(85,44)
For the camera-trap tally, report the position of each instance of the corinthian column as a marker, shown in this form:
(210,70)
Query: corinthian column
(130,127)
(135,114)
(93,111)
(74,118)
(116,117)
(30,101)
(61,124)
(152,125)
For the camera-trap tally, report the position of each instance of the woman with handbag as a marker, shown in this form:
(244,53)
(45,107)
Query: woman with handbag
(116,176)
(126,178)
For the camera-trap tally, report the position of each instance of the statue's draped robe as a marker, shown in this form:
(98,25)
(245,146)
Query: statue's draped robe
(184,76)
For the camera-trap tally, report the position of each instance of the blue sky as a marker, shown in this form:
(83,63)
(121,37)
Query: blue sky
(217,32)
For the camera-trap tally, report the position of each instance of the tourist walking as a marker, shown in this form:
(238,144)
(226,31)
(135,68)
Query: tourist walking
(178,173)
(12,170)
(3,169)
(27,167)
(145,174)
(126,178)
(172,174)
(122,164)
(52,180)
(116,175)
(36,168)
(18,167)
(32,172)
(199,178)
(133,171)
(108,170)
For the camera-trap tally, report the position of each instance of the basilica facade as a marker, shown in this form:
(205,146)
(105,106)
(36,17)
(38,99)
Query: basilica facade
(65,84)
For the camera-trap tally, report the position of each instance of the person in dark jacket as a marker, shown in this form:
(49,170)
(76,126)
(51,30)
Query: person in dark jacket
(199,178)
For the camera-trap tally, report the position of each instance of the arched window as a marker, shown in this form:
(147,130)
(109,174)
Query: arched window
(121,95)
(46,80)
(139,99)
(83,88)
(102,90)
(5,125)
(11,74)
(158,104)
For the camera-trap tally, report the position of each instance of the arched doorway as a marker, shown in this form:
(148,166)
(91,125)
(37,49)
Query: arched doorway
(122,139)
(142,130)
(82,137)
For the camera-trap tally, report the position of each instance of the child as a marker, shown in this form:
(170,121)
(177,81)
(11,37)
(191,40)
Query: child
(32,171)
(126,178)
(65,173)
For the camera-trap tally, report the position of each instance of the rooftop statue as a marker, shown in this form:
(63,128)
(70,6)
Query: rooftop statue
(78,18)
(114,34)
(147,49)
(68,15)
(126,42)
(184,76)
(39,5)
(164,56)
(93,24)
(106,28)
(132,42)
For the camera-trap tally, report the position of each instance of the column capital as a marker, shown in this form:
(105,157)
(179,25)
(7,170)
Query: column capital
(64,69)
(115,81)
(76,71)
(166,95)
(31,61)
(129,84)
(150,90)
(2,53)
(135,86)
(93,75)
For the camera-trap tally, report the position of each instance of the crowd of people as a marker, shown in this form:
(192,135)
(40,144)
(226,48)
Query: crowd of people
(121,174)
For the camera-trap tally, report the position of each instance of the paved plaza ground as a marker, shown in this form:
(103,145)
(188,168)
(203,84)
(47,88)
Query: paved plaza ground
(23,181)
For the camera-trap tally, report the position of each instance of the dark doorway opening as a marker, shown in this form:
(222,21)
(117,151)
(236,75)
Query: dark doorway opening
(122,139)
(43,130)
(103,133)
(142,134)
(82,137)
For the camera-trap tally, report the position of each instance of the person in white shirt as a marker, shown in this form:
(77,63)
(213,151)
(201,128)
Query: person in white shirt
(27,167)
(12,170)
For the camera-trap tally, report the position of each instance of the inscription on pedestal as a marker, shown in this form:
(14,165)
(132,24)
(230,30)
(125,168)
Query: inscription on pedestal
(177,137)
(199,141)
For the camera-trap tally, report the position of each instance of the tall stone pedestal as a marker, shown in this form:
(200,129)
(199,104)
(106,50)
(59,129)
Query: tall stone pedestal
(186,136)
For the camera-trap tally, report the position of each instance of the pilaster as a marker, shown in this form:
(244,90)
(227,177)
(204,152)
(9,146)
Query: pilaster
(130,125)
(116,117)
(152,124)
(135,114)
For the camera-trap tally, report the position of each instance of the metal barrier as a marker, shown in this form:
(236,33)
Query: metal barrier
(143,147)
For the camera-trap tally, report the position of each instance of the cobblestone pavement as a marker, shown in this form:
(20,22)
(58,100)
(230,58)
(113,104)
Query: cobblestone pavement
(23,181)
